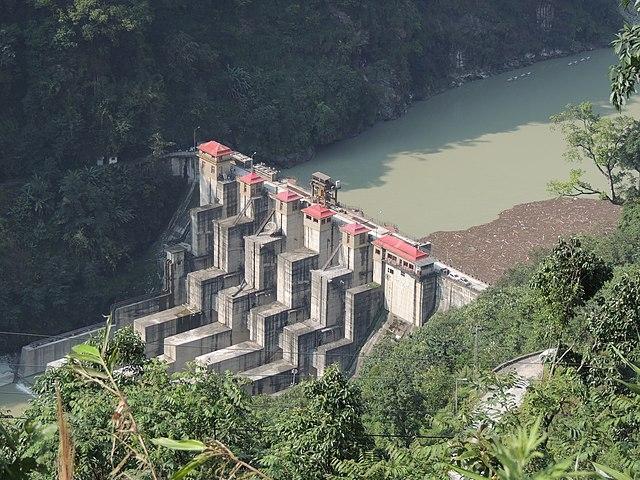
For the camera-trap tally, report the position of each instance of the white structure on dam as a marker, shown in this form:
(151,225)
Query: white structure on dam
(278,282)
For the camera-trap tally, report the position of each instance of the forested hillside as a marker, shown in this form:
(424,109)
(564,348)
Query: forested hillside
(86,78)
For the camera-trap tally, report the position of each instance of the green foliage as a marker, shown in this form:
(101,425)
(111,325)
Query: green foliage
(20,454)
(329,428)
(81,79)
(613,324)
(628,234)
(74,242)
(627,47)
(569,277)
(192,404)
(508,458)
(599,140)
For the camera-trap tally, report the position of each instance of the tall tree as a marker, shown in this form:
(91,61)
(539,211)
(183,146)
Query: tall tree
(630,153)
(328,428)
(614,324)
(599,140)
(569,277)
(624,75)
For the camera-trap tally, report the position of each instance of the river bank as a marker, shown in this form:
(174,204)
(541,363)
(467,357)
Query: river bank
(488,251)
(450,82)
(462,157)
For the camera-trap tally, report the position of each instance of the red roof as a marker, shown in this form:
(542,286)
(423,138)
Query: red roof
(355,228)
(400,248)
(214,148)
(251,178)
(287,196)
(318,211)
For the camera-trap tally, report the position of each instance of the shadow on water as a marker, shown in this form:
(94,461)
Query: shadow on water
(421,140)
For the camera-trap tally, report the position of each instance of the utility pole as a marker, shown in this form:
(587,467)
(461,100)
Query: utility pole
(194,136)
(455,402)
(475,353)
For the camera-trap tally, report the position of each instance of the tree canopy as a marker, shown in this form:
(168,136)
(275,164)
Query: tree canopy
(82,79)
(604,142)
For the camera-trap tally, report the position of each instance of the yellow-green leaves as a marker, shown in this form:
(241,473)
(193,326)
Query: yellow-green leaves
(86,353)
(607,472)
(187,445)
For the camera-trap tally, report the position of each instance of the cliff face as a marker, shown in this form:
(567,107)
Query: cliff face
(86,79)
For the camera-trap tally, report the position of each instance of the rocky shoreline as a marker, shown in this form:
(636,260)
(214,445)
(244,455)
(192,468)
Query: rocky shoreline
(488,251)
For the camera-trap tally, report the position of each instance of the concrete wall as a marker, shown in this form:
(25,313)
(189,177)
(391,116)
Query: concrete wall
(400,293)
(228,242)
(357,255)
(236,358)
(339,352)
(453,293)
(202,291)
(234,305)
(294,278)
(35,356)
(202,228)
(177,256)
(185,347)
(271,378)
(153,329)
(362,304)
(126,314)
(328,295)
(261,260)
(299,341)
(265,327)
(183,165)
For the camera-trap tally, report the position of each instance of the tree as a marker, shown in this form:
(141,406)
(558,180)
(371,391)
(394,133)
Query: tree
(599,140)
(614,324)
(19,453)
(158,145)
(109,409)
(626,45)
(630,153)
(569,277)
(309,440)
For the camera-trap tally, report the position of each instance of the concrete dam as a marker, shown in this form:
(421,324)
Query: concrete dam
(277,282)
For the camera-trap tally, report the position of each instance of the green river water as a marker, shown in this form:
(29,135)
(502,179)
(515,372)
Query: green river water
(460,158)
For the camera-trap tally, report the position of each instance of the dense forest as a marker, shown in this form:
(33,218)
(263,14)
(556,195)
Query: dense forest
(74,242)
(81,79)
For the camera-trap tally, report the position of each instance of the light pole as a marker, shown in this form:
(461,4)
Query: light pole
(455,408)
(475,350)
(194,136)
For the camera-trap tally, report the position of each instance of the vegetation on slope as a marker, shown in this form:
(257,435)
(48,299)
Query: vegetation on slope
(81,79)
(74,242)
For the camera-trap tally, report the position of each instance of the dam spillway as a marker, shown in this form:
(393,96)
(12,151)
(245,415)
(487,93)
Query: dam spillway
(278,281)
